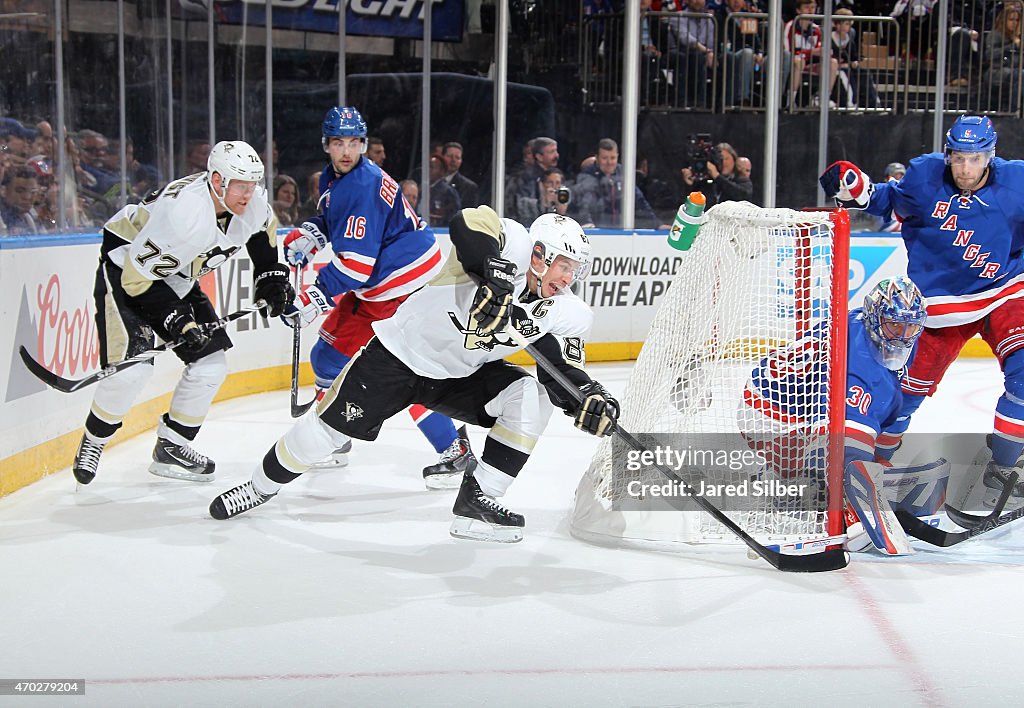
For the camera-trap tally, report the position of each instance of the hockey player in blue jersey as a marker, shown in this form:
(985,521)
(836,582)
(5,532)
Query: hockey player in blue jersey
(382,252)
(787,391)
(962,212)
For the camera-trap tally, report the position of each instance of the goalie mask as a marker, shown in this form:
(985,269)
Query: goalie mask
(556,235)
(233,160)
(343,122)
(894,312)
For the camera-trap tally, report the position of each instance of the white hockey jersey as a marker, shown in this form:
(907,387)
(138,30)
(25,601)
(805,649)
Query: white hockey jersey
(431,332)
(177,237)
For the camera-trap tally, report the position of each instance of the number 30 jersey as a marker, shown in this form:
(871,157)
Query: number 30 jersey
(175,236)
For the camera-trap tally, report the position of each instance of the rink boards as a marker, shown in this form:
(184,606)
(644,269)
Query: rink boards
(46,288)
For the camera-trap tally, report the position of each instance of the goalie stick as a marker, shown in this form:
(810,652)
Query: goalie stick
(297,409)
(937,537)
(70,385)
(830,559)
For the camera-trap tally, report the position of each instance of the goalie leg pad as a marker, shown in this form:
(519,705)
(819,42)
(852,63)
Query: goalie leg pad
(865,493)
(920,489)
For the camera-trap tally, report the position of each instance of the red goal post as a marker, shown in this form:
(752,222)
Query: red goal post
(755,282)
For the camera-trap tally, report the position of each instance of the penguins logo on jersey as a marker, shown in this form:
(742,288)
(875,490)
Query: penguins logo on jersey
(487,342)
(352,411)
(212,259)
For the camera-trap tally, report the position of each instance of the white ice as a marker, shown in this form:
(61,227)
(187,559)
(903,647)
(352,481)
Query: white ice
(347,590)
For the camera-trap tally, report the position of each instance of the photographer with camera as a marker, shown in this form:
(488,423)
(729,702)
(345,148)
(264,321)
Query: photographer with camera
(554,198)
(599,189)
(712,171)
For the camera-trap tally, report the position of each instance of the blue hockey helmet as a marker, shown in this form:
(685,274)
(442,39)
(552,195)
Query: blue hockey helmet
(894,312)
(343,122)
(971,134)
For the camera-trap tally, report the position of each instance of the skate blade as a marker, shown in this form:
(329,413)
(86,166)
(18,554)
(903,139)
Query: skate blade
(443,481)
(333,462)
(172,472)
(477,530)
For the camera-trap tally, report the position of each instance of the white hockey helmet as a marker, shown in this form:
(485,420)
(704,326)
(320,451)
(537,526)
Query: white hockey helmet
(234,159)
(556,235)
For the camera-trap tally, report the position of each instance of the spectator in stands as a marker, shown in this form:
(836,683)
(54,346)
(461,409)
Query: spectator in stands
(309,207)
(411,192)
(20,188)
(692,53)
(375,151)
(444,201)
(969,20)
(95,151)
(743,167)
(599,188)
(469,192)
(286,200)
(545,156)
(724,183)
(894,171)
(741,50)
(45,143)
(856,87)
(1002,55)
(555,198)
(653,46)
(197,153)
(802,39)
(17,139)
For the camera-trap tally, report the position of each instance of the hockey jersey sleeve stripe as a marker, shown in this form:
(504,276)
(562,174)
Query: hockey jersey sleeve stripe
(951,310)
(406,280)
(1009,345)
(917,387)
(769,409)
(355,265)
(1009,427)
(859,437)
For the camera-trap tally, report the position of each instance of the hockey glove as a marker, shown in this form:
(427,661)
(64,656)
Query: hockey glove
(273,288)
(492,305)
(847,184)
(311,304)
(182,327)
(302,243)
(598,411)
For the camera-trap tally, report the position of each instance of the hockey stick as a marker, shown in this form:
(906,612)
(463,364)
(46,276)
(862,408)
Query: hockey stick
(70,385)
(970,521)
(937,537)
(830,559)
(297,410)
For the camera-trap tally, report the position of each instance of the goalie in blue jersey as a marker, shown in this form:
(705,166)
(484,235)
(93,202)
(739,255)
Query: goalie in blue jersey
(785,399)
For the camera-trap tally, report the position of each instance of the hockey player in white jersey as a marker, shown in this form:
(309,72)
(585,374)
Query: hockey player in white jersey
(444,348)
(151,259)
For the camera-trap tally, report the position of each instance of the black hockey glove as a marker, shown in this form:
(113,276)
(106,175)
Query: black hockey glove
(182,327)
(272,286)
(598,411)
(492,305)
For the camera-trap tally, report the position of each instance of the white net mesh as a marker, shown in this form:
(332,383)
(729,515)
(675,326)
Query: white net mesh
(756,282)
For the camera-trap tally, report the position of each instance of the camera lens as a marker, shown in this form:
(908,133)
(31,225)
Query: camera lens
(564,195)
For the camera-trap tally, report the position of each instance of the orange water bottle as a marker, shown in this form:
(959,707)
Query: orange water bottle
(687,222)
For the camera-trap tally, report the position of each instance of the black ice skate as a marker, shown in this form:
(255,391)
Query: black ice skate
(234,501)
(456,461)
(338,458)
(995,479)
(180,462)
(480,518)
(87,460)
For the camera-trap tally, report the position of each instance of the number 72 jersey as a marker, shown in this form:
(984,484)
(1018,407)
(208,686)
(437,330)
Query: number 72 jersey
(176,236)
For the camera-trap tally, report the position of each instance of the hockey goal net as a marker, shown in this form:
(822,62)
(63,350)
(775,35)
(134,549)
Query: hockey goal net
(757,283)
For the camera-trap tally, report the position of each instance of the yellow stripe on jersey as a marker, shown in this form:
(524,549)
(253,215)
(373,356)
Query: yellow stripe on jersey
(134,282)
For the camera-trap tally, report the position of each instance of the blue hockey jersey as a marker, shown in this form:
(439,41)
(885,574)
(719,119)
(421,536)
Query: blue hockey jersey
(382,250)
(790,386)
(965,249)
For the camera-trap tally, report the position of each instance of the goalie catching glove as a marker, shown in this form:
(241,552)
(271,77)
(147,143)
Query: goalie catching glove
(272,287)
(597,412)
(301,244)
(847,184)
(312,303)
(182,327)
(492,306)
